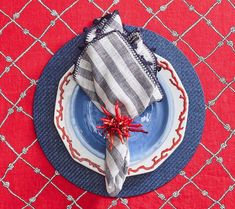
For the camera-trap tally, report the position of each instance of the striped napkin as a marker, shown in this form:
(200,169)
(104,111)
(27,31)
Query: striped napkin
(117,66)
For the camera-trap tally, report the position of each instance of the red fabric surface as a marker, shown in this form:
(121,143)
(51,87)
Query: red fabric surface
(31,31)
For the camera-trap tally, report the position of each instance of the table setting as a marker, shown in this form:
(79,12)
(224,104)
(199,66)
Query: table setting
(120,112)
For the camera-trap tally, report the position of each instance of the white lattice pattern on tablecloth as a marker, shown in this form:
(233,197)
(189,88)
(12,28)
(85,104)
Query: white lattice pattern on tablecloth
(15,107)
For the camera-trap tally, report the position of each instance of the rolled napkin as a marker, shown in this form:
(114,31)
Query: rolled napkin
(116,66)
(116,167)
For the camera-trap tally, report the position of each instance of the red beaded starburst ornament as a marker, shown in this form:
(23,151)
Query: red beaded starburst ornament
(120,125)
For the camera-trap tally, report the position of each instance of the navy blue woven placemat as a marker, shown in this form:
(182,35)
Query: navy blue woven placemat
(87,179)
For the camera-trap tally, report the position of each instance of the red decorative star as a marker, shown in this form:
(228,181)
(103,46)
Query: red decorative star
(119,125)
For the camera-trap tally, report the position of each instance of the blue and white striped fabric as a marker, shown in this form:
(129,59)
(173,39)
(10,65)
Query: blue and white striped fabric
(116,66)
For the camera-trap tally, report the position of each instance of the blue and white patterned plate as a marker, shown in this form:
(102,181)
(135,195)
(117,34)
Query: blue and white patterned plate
(76,118)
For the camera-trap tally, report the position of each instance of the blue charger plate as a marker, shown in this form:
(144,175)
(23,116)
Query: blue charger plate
(87,179)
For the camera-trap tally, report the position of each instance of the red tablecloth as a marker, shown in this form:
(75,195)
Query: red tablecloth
(32,31)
